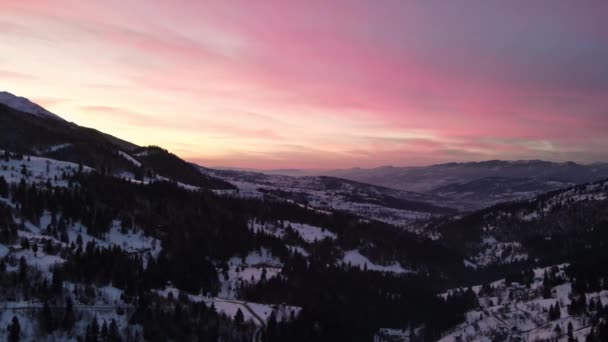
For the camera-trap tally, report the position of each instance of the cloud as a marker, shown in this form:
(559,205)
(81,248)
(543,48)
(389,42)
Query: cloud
(341,83)
(5,74)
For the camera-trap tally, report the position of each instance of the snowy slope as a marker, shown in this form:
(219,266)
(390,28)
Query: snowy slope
(355,258)
(257,266)
(397,207)
(38,170)
(253,312)
(521,312)
(306,232)
(24,105)
(502,234)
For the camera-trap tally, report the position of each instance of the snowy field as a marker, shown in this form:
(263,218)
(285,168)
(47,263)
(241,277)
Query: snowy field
(38,170)
(253,312)
(308,233)
(257,266)
(355,258)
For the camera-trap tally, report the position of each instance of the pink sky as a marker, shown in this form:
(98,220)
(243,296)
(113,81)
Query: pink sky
(321,84)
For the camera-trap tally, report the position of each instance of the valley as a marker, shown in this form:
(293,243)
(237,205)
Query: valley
(101,237)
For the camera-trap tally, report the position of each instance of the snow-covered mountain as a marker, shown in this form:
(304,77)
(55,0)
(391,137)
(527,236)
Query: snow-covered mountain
(397,207)
(103,239)
(428,178)
(570,221)
(52,137)
(484,192)
(25,105)
(480,184)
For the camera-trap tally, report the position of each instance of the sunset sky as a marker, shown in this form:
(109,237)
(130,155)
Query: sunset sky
(317,83)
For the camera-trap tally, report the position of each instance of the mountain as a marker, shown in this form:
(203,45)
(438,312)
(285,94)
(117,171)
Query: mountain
(554,227)
(480,184)
(52,137)
(101,239)
(487,191)
(548,255)
(393,206)
(100,236)
(26,106)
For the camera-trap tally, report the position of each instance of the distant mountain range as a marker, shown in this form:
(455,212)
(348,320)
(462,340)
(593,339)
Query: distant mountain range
(139,238)
(429,178)
(396,194)
(393,206)
(471,185)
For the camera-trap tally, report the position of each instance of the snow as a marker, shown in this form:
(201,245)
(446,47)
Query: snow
(310,233)
(521,312)
(55,148)
(26,322)
(134,241)
(272,229)
(298,250)
(253,312)
(24,105)
(590,192)
(494,252)
(306,232)
(38,170)
(129,158)
(28,313)
(387,335)
(469,264)
(3,251)
(257,265)
(321,197)
(355,258)
(261,256)
(111,295)
(40,260)
(131,240)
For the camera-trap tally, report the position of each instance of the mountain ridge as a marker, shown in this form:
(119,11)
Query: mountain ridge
(27,106)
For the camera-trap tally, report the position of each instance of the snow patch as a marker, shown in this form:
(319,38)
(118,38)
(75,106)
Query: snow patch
(355,258)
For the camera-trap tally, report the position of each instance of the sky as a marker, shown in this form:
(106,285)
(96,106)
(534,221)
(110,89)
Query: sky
(321,84)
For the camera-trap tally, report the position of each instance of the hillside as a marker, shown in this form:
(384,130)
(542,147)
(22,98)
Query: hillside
(104,240)
(397,207)
(47,136)
(555,227)
(112,245)
(480,184)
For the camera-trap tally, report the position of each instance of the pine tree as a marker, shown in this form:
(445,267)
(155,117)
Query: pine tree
(3,187)
(104,331)
(68,316)
(79,241)
(92,333)
(14,330)
(113,334)
(25,243)
(46,319)
(271,327)
(57,281)
(22,269)
(238,317)
(546,286)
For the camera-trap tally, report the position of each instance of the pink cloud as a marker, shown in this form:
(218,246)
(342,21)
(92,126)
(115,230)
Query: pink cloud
(502,79)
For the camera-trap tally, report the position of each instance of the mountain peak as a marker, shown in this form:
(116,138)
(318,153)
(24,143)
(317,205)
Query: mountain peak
(25,105)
